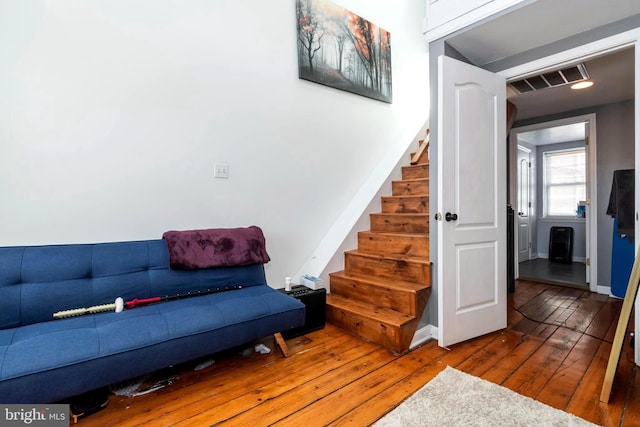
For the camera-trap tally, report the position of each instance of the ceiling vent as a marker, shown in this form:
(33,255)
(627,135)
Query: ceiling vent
(556,78)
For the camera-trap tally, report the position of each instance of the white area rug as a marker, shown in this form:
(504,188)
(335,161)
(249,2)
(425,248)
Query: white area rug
(454,398)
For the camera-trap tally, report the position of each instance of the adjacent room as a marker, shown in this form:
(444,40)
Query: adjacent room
(573,137)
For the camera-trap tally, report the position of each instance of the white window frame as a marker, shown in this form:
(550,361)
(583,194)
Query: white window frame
(545,201)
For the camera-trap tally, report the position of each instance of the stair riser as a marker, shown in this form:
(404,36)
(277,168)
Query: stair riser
(415,172)
(416,188)
(424,158)
(394,245)
(395,339)
(405,204)
(395,299)
(410,271)
(392,223)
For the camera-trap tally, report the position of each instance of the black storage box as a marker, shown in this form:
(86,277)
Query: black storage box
(561,244)
(314,301)
(83,405)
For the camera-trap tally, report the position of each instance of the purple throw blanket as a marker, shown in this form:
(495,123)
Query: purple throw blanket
(216,247)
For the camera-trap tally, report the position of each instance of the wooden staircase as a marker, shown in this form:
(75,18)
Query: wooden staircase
(384,287)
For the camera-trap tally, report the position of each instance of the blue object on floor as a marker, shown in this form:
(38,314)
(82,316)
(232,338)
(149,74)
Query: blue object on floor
(622,257)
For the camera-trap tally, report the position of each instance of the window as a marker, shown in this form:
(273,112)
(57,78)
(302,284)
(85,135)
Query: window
(564,181)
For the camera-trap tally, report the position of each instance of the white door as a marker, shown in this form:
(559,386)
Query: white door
(472,273)
(524,204)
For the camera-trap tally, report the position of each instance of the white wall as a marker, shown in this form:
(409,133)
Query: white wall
(113,113)
(616,128)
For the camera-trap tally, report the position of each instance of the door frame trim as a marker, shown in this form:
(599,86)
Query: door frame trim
(516,248)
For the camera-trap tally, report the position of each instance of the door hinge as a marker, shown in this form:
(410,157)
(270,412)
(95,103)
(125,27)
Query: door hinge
(588,262)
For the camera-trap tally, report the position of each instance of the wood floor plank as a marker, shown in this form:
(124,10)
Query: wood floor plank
(327,409)
(369,411)
(632,406)
(526,291)
(560,316)
(530,378)
(545,330)
(513,317)
(503,369)
(258,389)
(273,403)
(526,326)
(384,401)
(487,357)
(583,316)
(623,384)
(585,401)
(334,378)
(542,306)
(612,331)
(222,382)
(557,392)
(606,318)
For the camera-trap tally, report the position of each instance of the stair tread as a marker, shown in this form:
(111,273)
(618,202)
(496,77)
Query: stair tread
(402,213)
(411,180)
(383,282)
(406,196)
(394,257)
(379,314)
(394,233)
(416,166)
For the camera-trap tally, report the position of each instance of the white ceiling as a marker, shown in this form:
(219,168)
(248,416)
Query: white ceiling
(537,24)
(554,135)
(613,78)
(546,21)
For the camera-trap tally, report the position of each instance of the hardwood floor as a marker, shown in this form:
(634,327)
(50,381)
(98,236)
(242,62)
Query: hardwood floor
(555,350)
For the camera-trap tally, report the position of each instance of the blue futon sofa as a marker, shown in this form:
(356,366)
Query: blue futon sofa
(43,360)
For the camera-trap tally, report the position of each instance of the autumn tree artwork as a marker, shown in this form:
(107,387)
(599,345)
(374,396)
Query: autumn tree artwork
(340,49)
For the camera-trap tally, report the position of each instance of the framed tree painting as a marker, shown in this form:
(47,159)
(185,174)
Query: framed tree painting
(340,49)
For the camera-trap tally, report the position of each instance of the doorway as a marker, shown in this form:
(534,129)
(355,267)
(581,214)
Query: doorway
(554,192)
(610,44)
(582,51)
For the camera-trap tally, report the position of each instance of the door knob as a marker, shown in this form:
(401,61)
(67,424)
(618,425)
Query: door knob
(450,217)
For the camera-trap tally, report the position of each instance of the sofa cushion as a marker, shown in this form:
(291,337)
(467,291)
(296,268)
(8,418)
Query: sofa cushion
(66,342)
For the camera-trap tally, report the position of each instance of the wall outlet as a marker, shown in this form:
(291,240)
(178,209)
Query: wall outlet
(220,170)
